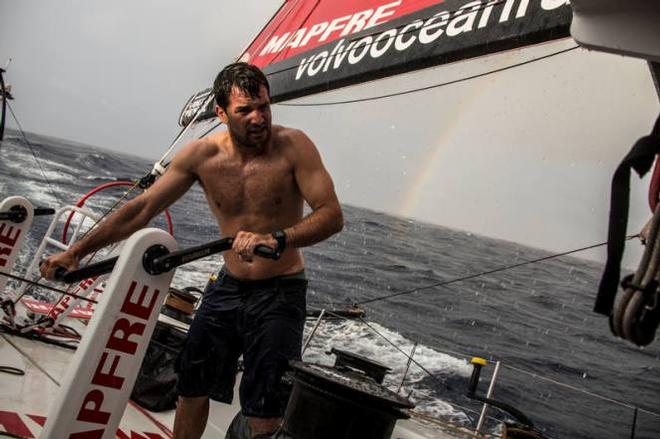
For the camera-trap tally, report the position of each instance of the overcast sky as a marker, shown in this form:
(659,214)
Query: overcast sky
(524,155)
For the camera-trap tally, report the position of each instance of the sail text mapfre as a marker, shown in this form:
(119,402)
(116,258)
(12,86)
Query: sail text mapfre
(313,46)
(288,36)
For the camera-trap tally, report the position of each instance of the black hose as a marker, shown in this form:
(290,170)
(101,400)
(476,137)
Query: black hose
(12,370)
(4,329)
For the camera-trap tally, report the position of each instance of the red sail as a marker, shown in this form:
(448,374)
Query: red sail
(312,46)
(303,25)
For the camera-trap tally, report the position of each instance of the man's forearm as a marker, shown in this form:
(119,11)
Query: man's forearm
(315,227)
(120,225)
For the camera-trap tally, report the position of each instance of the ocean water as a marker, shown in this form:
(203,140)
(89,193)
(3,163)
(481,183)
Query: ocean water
(559,363)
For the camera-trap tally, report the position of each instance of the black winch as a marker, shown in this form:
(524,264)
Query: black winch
(344,401)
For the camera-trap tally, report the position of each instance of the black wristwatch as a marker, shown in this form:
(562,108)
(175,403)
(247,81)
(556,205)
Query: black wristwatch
(280,237)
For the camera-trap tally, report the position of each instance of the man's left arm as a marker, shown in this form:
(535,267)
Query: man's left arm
(317,189)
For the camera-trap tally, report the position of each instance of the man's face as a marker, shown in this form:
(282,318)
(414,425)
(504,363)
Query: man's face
(248,119)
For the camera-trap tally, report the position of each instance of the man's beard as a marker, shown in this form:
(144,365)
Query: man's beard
(248,141)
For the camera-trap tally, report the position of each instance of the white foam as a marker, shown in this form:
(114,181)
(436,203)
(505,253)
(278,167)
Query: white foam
(37,193)
(356,337)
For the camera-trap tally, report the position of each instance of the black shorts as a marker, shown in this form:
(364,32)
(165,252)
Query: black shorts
(263,320)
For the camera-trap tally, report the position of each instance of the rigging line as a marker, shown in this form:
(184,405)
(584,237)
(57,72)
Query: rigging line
(50,186)
(199,112)
(176,139)
(137,183)
(362,320)
(558,383)
(107,212)
(429,87)
(522,371)
(484,273)
(48,287)
(59,299)
(460,354)
(162,159)
(368,45)
(559,323)
(210,129)
(29,289)
(580,390)
(539,317)
(564,324)
(184,130)
(217,124)
(412,360)
(27,357)
(123,197)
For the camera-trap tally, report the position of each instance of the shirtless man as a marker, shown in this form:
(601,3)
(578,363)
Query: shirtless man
(256,178)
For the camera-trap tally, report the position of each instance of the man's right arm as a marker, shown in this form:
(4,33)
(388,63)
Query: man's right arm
(132,216)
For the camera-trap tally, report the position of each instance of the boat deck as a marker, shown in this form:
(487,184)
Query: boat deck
(25,399)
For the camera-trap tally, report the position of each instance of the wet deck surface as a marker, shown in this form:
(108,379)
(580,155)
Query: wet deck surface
(25,400)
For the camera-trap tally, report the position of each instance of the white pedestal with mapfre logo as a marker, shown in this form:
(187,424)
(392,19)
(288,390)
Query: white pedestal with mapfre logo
(12,235)
(99,381)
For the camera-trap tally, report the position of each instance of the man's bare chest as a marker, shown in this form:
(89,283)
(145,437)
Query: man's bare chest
(261,186)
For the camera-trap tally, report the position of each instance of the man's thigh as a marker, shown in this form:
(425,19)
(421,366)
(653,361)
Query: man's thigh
(208,362)
(273,326)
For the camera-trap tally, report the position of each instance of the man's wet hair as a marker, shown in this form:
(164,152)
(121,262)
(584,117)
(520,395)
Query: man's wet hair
(246,77)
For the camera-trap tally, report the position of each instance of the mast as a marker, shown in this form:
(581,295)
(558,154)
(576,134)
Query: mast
(3,94)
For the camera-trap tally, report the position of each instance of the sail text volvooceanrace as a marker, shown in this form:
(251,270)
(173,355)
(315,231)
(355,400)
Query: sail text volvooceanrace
(474,15)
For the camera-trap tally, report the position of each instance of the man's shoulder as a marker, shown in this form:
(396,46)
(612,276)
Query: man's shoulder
(199,151)
(210,145)
(205,147)
(291,138)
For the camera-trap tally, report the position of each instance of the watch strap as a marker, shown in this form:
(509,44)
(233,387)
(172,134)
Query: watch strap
(280,237)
